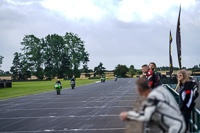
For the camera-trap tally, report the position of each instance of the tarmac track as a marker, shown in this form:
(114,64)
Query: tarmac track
(91,108)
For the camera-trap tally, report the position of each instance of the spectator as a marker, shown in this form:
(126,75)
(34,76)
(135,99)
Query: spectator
(160,106)
(186,94)
(152,66)
(151,76)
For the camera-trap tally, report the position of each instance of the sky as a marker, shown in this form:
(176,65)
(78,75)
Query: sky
(128,32)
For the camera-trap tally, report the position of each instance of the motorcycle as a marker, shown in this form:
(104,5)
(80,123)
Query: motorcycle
(72,84)
(58,88)
(103,79)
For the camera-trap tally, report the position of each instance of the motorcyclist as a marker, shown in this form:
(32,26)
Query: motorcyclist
(115,77)
(103,78)
(73,81)
(59,82)
(151,76)
(159,106)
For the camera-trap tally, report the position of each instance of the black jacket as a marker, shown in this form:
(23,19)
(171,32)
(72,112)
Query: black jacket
(58,82)
(186,96)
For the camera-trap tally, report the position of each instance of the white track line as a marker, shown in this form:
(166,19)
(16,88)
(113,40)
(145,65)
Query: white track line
(70,102)
(66,130)
(69,116)
(100,107)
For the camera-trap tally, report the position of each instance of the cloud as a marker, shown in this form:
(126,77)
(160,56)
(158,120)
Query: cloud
(115,32)
(74,9)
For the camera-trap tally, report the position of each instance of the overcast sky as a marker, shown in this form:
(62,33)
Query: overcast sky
(115,31)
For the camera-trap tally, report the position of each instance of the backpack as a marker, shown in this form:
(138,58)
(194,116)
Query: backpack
(157,77)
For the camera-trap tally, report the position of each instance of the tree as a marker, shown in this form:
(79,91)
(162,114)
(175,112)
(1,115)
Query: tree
(63,55)
(132,71)
(33,51)
(85,67)
(53,55)
(196,68)
(139,72)
(19,69)
(1,61)
(77,51)
(55,50)
(121,70)
(99,70)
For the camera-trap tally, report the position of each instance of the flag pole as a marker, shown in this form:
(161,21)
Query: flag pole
(170,57)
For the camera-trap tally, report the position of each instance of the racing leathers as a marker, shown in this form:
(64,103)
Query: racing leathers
(73,82)
(58,82)
(187,100)
(161,107)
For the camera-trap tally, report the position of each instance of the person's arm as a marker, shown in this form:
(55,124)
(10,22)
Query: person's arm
(146,113)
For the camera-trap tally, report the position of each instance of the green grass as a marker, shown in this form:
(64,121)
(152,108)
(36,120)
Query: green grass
(28,88)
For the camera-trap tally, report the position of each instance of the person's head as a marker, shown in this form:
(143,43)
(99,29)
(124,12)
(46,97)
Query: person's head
(142,87)
(182,76)
(58,79)
(152,65)
(145,68)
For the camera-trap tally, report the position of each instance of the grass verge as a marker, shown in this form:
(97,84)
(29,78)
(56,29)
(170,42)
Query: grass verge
(28,88)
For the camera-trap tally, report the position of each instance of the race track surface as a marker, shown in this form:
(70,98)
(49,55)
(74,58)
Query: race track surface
(91,108)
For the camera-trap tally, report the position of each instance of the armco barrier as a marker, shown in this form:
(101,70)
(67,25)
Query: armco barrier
(194,125)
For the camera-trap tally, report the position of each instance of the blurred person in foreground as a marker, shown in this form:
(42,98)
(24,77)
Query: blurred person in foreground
(159,106)
(187,94)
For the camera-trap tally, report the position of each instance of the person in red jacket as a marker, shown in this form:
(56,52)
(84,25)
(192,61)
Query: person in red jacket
(151,76)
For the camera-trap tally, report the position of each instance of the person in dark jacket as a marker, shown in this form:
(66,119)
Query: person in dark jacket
(152,66)
(186,95)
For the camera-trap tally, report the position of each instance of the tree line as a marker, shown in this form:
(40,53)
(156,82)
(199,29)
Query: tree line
(62,57)
(52,56)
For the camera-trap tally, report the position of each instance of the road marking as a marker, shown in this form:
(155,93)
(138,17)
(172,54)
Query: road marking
(69,116)
(67,130)
(70,102)
(96,107)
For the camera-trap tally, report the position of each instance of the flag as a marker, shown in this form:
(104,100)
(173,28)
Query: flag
(178,39)
(170,55)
